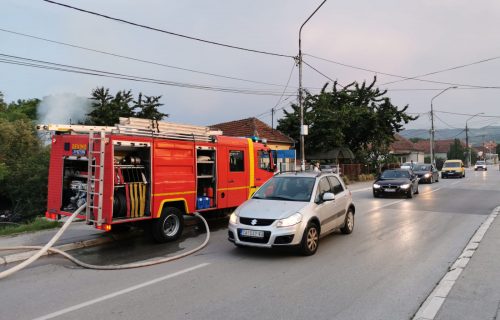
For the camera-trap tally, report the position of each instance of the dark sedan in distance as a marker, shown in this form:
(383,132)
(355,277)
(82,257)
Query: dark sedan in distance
(401,182)
(426,173)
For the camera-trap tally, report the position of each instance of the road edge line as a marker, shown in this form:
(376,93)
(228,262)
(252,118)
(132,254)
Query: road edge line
(431,306)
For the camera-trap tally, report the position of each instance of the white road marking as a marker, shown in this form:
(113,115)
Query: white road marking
(435,300)
(118,293)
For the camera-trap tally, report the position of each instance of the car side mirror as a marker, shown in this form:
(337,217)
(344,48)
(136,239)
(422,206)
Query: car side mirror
(328,196)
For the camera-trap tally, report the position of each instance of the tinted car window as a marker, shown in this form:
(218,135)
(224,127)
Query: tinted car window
(395,174)
(323,186)
(336,185)
(451,165)
(424,168)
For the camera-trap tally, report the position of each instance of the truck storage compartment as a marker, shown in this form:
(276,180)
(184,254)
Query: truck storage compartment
(132,180)
(205,177)
(74,183)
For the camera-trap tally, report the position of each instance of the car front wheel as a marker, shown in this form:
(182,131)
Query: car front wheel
(348,223)
(310,240)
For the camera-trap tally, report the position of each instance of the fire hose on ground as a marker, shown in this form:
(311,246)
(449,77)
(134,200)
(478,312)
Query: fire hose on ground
(48,248)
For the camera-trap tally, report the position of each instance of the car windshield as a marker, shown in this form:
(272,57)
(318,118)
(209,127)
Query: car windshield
(395,174)
(286,188)
(451,165)
(424,168)
(480,162)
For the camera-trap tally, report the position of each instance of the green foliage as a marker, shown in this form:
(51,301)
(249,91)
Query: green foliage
(24,167)
(106,109)
(38,223)
(416,139)
(148,108)
(457,151)
(357,116)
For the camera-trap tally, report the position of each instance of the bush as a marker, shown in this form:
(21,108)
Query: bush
(24,168)
(366,177)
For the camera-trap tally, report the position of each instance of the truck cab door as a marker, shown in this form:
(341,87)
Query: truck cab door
(237,176)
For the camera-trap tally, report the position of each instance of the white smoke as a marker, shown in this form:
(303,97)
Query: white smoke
(63,108)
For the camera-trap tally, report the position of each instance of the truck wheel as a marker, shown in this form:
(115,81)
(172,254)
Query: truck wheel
(168,227)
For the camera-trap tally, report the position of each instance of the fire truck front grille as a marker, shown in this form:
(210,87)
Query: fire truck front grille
(256,222)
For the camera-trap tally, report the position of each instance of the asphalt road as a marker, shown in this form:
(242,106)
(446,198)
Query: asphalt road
(399,250)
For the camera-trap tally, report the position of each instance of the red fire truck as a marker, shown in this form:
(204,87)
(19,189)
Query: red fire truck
(149,170)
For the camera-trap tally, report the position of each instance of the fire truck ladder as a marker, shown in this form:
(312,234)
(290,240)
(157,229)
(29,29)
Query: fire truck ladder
(95,183)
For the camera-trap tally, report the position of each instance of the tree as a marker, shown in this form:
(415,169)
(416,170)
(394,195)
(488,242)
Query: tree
(148,108)
(457,151)
(357,116)
(417,139)
(106,109)
(23,168)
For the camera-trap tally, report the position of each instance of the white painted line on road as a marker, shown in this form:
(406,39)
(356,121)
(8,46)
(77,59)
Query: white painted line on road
(429,309)
(118,293)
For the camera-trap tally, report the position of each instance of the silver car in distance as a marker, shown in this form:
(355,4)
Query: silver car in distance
(293,209)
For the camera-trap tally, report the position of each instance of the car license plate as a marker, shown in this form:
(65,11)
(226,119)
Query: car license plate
(252,233)
(390,190)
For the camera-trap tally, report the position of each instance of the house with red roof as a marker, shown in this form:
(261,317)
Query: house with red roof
(253,127)
(405,150)
(441,147)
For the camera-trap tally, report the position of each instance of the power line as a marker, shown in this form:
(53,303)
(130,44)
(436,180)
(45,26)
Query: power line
(16,60)
(468,114)
(136,59)
(168,32)
(449,125)
(398,76)
(439,89)
(307,64)
(444,70)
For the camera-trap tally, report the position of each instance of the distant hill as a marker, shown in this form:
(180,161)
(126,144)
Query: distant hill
(476,135)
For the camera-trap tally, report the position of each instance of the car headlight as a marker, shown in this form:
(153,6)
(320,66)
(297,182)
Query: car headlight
(233,218)
(427,175)
(405,186)
(290,221)
(376,186)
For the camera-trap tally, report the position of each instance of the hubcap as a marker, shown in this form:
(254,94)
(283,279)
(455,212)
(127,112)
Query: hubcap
(350,220)
(312,239)
(171,225)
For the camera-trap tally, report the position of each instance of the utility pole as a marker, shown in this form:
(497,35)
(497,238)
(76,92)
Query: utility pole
(469,160)
(303,130)
(272,119)
(431,143)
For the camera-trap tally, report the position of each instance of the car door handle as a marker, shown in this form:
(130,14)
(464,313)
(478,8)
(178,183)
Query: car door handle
(258,179)
(230,181)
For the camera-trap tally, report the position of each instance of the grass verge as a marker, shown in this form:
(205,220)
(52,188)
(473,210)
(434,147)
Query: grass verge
(37,224)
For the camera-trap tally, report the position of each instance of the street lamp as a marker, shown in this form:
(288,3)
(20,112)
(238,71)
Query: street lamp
(467,138)
(303,130)
(432,123)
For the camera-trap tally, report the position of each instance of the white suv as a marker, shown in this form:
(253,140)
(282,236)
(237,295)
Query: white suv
(480,165)
(293,209)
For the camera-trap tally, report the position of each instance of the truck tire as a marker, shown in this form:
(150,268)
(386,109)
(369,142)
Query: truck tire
(168,227)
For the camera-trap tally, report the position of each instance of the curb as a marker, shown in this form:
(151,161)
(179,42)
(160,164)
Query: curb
(430,308)
(16,257)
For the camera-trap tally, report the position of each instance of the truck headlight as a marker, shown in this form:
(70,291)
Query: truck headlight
(233,218)
(405,186)
(290,221)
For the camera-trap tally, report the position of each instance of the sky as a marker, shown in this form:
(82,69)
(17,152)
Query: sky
(387,38)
